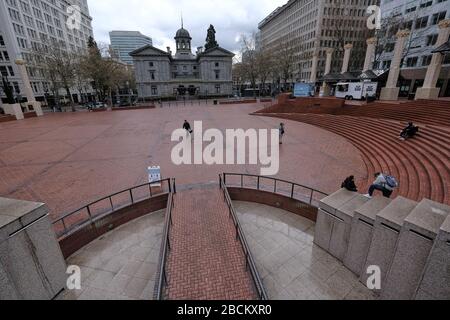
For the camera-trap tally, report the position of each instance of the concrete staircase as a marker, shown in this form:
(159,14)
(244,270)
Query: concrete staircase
(408,241)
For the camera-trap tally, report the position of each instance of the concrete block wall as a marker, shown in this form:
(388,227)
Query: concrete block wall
(408,241)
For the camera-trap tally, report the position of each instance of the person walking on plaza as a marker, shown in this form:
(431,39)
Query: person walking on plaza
(282,132)
(384,183)
(349,184)
(187,127)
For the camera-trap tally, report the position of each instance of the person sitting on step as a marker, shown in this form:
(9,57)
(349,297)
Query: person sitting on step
(384,183)
(349,184)
(409,132)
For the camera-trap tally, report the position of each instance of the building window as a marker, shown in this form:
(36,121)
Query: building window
(151,64)
(217,88)
(152,75)
(154,90)
(217,64)
(438,17)
(432,39)
(3,71)
(411,62)
(2,42)
(426,60)
(421,22)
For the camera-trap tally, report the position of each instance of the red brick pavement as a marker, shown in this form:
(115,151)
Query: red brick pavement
(68,160)
(206,261)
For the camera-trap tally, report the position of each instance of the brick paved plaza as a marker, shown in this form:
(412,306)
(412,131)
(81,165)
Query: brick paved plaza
(70,159)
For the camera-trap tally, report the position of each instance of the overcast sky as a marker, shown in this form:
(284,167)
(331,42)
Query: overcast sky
(160,19)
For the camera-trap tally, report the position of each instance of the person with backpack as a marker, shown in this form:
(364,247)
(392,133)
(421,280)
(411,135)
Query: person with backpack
(350,184)
(282,132)
(384,183)
(187,127)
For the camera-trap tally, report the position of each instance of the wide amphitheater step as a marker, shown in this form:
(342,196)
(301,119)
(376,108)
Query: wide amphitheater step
(422,164)
(206,261)
(430,112)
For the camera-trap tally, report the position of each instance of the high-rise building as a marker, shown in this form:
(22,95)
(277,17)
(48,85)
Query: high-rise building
(124,42)
(422,18)
(310,27)
(23,23)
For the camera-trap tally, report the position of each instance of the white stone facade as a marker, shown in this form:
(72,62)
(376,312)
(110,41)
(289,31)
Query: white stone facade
(24,22)
(159,74)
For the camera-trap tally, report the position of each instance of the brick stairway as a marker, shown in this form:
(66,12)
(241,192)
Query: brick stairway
(421,164)
(429,112)
(206,261)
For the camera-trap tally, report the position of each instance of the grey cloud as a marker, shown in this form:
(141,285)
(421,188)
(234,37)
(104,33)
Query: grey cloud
(160,19)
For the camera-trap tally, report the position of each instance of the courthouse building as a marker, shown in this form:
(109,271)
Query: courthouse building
(161,74)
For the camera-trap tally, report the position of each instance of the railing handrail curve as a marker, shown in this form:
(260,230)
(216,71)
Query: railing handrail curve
(87,207)
(240,235)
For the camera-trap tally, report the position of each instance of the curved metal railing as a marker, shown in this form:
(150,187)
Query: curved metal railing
(290,190)
(161,278)
(249,261)
(104,206)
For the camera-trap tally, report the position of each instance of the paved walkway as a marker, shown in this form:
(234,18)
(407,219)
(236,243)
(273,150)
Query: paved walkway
(122,264)
(291,266)
(68,160)
(206,261)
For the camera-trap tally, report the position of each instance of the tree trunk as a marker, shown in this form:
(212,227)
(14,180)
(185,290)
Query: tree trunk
(72,104)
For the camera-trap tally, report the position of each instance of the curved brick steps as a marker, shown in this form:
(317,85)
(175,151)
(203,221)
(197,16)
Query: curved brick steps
(421,164)
(428,112)
(401,166)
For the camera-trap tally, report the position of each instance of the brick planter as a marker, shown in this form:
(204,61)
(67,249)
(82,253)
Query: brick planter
(134,108)
(7,118)
(28,115)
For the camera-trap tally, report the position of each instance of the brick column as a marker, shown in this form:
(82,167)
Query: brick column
(429,90)
(325,90)
(391,91)
(348,51)
(28,90)
(370,54)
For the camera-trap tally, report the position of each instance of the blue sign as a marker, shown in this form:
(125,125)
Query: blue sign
(303,90)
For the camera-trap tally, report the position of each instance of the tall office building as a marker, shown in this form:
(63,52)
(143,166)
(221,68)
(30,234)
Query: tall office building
(313,26)
(23,23)
(125,42)
(422,18)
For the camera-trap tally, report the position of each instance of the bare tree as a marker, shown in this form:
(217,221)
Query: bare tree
(105,71)
(386,35)
(283,61)
(250,59)
(264,62)
(58,64)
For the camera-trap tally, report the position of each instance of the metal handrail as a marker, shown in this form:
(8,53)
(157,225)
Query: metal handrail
(276,181)
(88,206)
(165,247)
(249,261)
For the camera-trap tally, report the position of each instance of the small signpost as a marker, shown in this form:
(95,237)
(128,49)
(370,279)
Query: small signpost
(154,175)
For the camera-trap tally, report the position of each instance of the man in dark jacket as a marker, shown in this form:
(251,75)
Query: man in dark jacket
(187,126)
(349,184)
